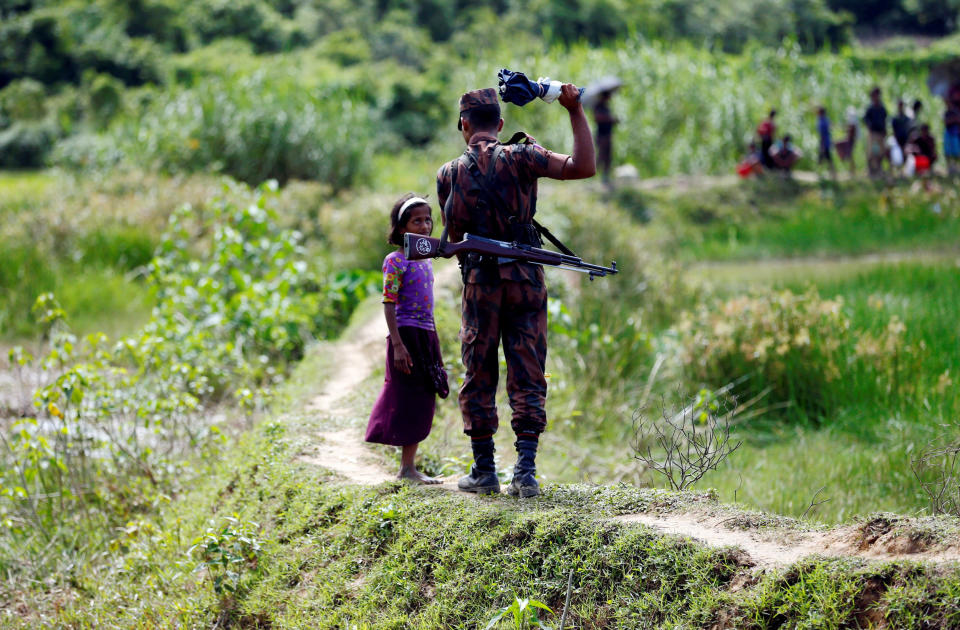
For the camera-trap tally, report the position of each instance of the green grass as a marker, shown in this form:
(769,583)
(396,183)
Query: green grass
(758,220)
(23,187)
(862,456)
(395,556)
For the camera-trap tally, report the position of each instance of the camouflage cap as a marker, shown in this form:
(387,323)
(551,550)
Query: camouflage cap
(487,97)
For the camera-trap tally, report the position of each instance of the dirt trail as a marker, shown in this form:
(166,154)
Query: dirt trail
(357,355)
(343,451)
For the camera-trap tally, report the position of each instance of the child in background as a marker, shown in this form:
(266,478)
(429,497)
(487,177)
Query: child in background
(403,413)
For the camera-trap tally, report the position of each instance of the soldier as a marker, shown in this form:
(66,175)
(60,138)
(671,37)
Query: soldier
(491,190)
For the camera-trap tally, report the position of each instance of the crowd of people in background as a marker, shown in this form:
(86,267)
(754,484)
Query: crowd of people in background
(898,145)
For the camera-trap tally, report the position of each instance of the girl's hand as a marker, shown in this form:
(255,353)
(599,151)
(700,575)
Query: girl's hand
(401,358)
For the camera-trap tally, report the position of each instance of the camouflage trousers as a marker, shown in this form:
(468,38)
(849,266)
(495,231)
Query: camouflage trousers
(515,312)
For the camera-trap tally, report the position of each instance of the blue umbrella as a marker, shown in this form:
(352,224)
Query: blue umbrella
(516,88)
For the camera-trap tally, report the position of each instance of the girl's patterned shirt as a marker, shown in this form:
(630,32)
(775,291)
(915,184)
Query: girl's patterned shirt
(409,285)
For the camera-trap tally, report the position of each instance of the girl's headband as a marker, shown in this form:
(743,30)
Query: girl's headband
(412,201)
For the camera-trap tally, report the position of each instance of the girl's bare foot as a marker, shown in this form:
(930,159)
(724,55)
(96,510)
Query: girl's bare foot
(414,475)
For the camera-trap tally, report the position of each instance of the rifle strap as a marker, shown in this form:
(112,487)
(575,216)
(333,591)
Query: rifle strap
(544,232)
(517,138)
(445,211)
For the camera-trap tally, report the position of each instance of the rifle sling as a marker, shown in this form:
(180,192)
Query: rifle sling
(544,232)
(445,211)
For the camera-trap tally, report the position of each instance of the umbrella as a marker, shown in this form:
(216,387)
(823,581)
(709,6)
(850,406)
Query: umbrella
(598,87)
(944,76)
(516,88)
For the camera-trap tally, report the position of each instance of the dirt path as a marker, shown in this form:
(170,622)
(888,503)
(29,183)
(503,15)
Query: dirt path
(342,450)
(357,355)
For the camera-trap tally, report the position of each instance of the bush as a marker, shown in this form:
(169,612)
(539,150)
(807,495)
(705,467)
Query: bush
(416,110)
(252,20)
(57,43)
(106,99)
(113,424)
(24,100)
(797,349)
(254,129)
(26,144)
(86,151)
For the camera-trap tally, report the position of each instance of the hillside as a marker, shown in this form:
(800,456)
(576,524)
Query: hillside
(314,536)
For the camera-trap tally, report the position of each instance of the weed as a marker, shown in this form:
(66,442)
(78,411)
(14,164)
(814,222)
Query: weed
(226,552)
(693,440)
(523,614)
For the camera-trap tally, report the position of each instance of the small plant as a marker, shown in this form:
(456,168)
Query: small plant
(938,471)
(523,612)
(693,440)
(227,552)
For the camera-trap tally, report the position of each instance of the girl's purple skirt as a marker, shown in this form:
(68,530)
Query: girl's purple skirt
(403,414)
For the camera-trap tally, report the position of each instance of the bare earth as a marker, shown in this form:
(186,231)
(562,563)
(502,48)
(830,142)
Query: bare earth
(344,452)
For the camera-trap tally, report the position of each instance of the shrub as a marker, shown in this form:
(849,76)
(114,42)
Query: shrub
(113,424)
(105,99)
(797,348)
(26,144)
(416,111)
(254,129)
(252,20)
(23,100)
(86,151)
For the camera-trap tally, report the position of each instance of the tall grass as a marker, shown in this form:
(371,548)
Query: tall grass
(775,219)
(254,128)
(687,109)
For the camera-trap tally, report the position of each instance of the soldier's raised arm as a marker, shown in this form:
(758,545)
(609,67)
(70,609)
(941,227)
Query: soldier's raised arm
(582,163)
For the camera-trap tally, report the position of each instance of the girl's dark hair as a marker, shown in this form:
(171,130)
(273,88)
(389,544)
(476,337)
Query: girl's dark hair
(393,236)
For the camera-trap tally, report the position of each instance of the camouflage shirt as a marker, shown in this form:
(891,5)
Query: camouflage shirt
(516,176)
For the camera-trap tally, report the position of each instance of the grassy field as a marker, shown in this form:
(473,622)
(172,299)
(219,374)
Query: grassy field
(303,549)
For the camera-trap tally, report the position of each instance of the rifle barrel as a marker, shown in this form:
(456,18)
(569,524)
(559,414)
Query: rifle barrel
(546,257)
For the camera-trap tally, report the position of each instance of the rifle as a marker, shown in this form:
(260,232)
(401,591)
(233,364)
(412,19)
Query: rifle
(416,247)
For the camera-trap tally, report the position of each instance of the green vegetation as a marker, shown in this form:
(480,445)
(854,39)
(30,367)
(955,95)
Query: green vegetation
(224,174)
(280,542)
(115,430)
(294,90)
(883,322)
(776,220)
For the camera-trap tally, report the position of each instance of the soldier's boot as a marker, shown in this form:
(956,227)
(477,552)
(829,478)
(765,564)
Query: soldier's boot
(524,483)
(483,474)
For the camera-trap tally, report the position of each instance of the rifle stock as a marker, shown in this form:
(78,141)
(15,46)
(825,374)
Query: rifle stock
(416,247)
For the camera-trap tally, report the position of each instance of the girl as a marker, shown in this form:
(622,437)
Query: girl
(403,414)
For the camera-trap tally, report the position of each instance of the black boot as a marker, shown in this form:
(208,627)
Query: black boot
(483,474)
(524,483)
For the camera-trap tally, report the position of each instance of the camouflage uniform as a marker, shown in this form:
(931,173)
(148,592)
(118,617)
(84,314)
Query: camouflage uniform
(507,301)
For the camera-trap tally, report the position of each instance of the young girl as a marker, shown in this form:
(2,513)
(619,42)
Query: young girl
(403,414)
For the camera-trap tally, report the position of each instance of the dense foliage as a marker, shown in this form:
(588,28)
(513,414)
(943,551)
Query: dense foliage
(220,85)
(113,428)
(936,17)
